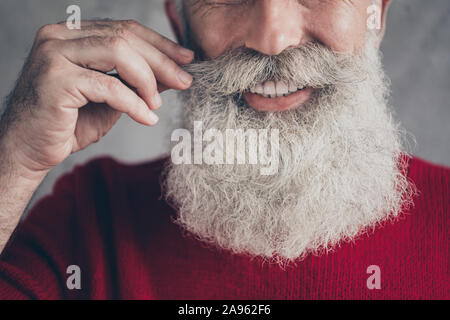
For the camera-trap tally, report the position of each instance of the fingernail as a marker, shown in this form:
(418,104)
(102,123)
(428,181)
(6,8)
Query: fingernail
(156,101)
(152,118)
(185,77)
(186,53)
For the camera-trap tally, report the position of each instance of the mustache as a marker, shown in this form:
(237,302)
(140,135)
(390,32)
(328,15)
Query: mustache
(312,65)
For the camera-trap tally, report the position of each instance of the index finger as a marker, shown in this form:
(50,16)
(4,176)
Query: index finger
(170,48)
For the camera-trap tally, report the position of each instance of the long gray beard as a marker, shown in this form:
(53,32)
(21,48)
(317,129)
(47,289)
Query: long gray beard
(342,168)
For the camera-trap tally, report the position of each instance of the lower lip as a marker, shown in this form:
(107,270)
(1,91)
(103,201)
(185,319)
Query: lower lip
(290,102)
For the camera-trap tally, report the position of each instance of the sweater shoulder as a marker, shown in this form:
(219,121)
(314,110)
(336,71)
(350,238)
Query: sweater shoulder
(106,176)
(100,194)
(90,211)
(105,168)
(428,175)
(432,183)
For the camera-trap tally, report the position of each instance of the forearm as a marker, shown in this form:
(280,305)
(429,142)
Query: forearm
(17,186)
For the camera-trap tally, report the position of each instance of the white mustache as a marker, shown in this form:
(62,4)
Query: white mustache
(239,70)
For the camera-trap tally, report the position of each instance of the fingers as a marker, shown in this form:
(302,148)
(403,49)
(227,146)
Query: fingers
(105,54)
(146,62)
(166,71)
(101,88)
(162,54)
(168,47)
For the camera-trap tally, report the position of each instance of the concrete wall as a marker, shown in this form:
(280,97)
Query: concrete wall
(416,50)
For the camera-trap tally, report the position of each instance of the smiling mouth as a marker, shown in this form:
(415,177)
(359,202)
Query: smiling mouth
(277,96)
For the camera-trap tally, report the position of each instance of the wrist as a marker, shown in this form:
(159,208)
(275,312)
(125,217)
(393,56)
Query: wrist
(13,166)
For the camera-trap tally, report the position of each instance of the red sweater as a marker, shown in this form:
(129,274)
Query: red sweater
(109,219)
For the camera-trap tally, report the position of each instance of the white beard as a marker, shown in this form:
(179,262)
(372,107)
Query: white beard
(341,169)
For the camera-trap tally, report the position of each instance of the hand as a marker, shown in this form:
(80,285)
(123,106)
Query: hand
(64,100)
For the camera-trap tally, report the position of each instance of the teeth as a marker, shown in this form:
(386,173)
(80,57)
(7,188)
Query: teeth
(259,89)
(273,89)
(292,87)
(269,89)
(281,88)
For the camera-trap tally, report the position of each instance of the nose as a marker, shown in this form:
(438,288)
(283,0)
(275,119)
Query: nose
(274,26)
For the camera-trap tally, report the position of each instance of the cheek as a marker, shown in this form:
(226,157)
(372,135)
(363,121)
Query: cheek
(216,34)
(213,42)
(340,29)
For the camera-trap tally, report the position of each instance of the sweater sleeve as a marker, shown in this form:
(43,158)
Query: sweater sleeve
(33,265)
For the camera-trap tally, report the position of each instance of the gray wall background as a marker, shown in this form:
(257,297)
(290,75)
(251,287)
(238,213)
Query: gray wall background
(416,55)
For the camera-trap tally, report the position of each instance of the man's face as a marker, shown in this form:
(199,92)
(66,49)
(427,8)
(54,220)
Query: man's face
(272,26)
(339,150)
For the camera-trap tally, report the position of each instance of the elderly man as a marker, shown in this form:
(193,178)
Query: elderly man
(346,214)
